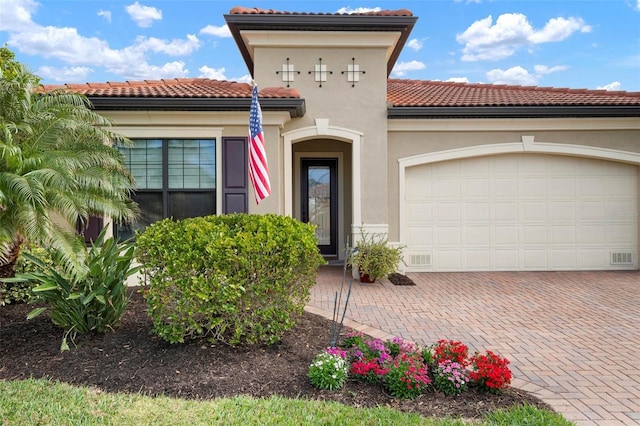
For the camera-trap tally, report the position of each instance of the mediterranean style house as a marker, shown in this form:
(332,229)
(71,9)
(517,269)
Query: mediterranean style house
(467,177)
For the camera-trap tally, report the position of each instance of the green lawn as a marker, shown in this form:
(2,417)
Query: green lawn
(41,402)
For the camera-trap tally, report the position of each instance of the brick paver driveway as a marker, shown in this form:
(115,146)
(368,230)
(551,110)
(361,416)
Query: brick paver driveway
(573,338)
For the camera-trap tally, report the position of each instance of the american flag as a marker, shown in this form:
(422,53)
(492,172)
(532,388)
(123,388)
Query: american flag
(258,167)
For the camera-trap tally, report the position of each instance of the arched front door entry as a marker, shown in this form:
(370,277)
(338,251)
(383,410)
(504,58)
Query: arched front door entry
(319,200)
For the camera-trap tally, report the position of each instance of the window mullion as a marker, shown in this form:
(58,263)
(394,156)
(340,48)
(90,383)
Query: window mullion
(165,177)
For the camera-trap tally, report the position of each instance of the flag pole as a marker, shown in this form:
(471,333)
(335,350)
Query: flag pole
(258,165)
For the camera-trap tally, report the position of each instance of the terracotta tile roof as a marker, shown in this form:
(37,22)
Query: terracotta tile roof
(175,88)
(400,93)
(420,93)
(239,10)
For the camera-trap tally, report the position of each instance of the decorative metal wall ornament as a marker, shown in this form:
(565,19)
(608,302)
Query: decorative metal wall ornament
(320,72)
(288,72)
(353,72)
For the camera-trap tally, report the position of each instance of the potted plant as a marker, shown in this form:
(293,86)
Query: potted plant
(374,258)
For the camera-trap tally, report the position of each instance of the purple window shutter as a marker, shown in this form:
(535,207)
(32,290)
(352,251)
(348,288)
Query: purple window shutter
(235,190)
(92,229)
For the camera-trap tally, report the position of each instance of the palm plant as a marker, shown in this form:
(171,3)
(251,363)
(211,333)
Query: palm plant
(58,167)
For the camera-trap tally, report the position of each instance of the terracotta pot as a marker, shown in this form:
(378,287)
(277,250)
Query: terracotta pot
(365,278)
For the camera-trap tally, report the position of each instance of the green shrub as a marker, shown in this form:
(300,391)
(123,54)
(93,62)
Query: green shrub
(94,302)
(236,278)
(20,292)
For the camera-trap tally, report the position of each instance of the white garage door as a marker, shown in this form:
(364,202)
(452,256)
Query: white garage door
(521,212)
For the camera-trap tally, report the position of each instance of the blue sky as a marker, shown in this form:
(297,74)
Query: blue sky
(593,44)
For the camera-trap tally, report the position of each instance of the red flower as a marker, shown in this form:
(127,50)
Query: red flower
(451,350)
(490,371)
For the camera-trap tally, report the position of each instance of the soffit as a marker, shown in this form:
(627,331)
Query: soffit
(334,39)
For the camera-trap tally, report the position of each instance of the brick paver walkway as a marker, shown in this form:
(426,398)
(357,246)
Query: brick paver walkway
(573,338)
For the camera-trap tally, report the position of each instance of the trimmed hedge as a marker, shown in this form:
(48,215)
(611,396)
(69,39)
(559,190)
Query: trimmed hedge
(236,278)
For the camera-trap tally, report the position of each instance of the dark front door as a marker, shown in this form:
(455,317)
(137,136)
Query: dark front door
(319,184)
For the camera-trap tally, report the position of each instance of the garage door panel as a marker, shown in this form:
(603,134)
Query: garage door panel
(447,188)
(563,259)
(477,167)
(448,236)
(592,259)
(621,186)
(506,260)
(448,260)
(478,260)
(476,188)
(533,187)
(522,212)
(502,164)
(477,212)
(591,234)
(590,210)
(562,211)
(619,234)
(621,211)
(420,236)
(505,211)
(534,235)
(591,186)
(447,168)
(534,260)
(532,165)
(505,235)
(562,187)
(504,188)
(420,212)
(563,234)
(534,211)
(477,236)
(448,212)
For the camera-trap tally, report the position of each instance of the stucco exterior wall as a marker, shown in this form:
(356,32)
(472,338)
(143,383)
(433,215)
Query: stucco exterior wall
(361,108)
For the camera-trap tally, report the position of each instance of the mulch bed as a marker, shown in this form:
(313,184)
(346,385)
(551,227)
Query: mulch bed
(400,279)
(132,359)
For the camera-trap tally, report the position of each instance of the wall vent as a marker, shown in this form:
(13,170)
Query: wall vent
(421,259)
(621,258)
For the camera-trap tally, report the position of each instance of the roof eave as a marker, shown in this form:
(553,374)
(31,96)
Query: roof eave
(513,111)
(295,106)
(294,22)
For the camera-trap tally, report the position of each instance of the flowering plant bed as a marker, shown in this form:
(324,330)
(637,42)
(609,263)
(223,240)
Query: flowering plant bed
(407,370)
(131,359)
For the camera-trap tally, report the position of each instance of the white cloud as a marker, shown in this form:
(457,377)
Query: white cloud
(543,69)
(106,14)
(515,75)
(16,14)
(143,16)
(458,80)
(350,10)
(415,44)
(84,54)
(485,40)
(557,29)
(222,31)
(611,86)
(244,79)
(145,71)
(64,74)
(175,47)
(213,73)
(401,68)
(519,76)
